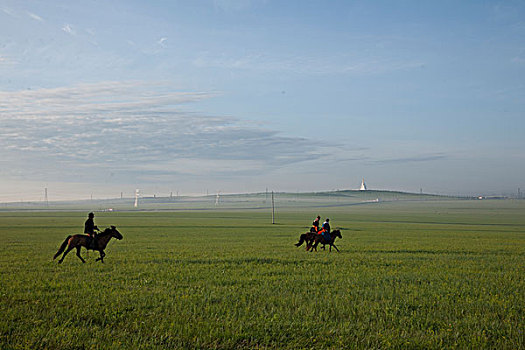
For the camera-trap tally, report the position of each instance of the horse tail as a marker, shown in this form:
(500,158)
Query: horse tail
(62,247)
(302,238)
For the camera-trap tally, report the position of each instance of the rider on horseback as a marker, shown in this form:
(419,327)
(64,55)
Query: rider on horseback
(325,231)
(315,225)
(89,228)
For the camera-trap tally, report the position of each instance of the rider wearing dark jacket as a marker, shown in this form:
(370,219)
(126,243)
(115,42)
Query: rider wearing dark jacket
(326,229)
(89,228)
(315,224)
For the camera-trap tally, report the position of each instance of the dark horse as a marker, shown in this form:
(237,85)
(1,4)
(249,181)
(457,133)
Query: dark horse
(307,237)
(79,241)
(313,239)
(321,239)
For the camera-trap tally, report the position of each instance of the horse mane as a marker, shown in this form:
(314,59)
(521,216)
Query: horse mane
(107,231)
(338,232)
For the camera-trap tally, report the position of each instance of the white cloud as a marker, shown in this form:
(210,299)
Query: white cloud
(35,17)
(9,12)
(5,61)
(68,29)
(137,130)
(413,159)
(162,42)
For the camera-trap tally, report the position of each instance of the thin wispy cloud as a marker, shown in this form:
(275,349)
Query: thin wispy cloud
(5,61)
(69,29)
(163,42)
(85,99)
(9,12)
(134,128)
(35,17)
(304,64)
(412,159)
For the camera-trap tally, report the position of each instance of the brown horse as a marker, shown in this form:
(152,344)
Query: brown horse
(321,239)
(79,241)
(307,237)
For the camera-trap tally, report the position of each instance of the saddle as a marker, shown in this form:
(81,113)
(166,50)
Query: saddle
(92,242)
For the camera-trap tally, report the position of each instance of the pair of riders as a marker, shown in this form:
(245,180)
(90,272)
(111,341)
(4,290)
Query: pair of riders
(324,230)
(89,228)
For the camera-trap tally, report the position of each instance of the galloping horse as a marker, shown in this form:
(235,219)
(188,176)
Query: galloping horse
(321,239)
(79,241)
(312,239)
(307,237)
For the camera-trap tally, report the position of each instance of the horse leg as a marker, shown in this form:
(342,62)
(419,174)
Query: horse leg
(64,255)
(78,254)
(102,255)
(336,248)
(311,246)
(298,244)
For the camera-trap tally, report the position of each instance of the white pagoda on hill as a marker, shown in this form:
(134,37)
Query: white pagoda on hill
(363,186)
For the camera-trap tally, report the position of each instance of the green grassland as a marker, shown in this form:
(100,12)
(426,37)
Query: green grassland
(411,274)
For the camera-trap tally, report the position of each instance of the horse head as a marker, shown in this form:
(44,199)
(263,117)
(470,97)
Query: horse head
(113,232)
(336,233)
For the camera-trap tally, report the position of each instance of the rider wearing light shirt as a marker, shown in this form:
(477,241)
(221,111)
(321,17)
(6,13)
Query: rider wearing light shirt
(326,229)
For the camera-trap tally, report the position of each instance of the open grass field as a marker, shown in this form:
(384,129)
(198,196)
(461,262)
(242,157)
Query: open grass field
(443,274)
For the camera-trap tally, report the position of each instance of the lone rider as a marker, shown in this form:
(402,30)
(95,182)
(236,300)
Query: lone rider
(89,228)
(315,224)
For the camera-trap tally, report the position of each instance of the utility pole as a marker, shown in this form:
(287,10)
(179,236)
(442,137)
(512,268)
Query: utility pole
(47,202)
(273,210)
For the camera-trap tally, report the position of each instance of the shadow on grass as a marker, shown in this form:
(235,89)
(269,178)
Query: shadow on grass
(239,261)
(437,252)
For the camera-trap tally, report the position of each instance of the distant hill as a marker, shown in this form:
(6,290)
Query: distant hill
(260,200)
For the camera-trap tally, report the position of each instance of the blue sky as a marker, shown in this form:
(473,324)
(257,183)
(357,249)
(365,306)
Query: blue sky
(102,97)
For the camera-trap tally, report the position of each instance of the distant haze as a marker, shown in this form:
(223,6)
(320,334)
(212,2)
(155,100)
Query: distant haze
(235,96)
